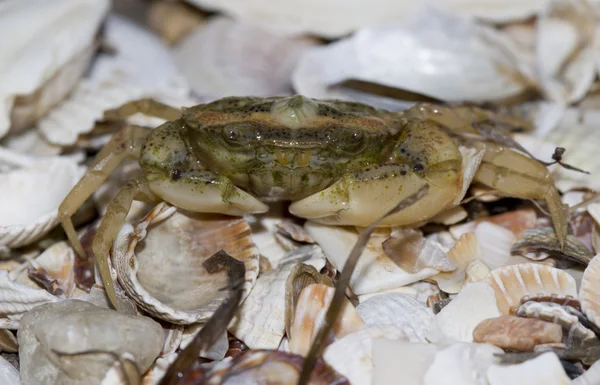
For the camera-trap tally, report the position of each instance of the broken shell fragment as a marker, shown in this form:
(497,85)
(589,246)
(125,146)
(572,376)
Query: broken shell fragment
(309,317)
(544,239)
(26,215)
(9,375)
(413,252)
(542,370)
(513,282)
(589,294)
(160,261)
(17,299)
(54,269)
(48,53)
(463,253)
(514,333)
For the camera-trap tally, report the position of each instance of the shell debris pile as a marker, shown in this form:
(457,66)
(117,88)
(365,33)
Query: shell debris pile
(489,290)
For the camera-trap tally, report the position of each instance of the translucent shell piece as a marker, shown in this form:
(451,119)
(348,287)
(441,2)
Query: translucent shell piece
(29,213)
(589,292)
(511,283)
(159,262)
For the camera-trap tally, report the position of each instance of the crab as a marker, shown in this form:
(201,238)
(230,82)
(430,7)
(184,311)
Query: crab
(338,162)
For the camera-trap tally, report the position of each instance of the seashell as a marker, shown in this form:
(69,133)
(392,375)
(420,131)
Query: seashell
(123,371)
(26,216)
(375,271)
(405,290)
(54,269)
(91,329)
(542,370)
(393,359)
(50,50)
(268,367)
(514,333)
(260,319)
(159,262)
(412,252)
(457,320)
(471,159)
(566,50)
(400,311)
(450,216)
(17,299)
(352,356)
(216,352)
(173,21)
(8,342)
(142,67)
(511,283)
(589,295)
(309,317)
(9,375)
(173,337)
(574,333)
(30,142)
(227,58)
(97,296)
(461,363)
(590,377)
(300,277)
(294,231)
(308,254)
(465,251)
(544,239)
(476,271)
(158,370)
(460,54)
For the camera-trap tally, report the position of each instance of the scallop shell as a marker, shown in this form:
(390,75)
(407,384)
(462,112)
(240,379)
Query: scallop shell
(227,58)
(375,271)
(313,302)
(589,295)
(142,67)
(28,215)
(400,311)
(49,49)
(18,299)
(9,375)
(464,61)
(159,262)
(567,43)
(542,370)
(511,283)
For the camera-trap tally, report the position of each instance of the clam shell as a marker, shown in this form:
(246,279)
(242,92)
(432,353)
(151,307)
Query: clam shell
(46,38)
(159,262)
(375,271)
(542,370)
(9,375)
(400,311)
(28,215)
(309,318)
(142,67)
(227,58)
(511,283)
(589,294)
(17,299)
(464,61)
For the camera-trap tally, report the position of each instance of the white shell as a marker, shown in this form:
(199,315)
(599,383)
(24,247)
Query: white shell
(457,320)
(9,375)
(589,293)
(260,319)
(511,283)
(567,46)
(464,364)
(399,310)
(545,369)
(434,53)
(352,356)
(229,58)
(17,299)
(40,38)
(216,352)
(31,142)
(29,213)
(141,68)
(471,159)
(590,377)
(159,263)
(394,359)
(405,290)
(375,271)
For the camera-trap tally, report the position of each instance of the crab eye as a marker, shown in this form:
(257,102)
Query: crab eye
(231,134)
(354,140)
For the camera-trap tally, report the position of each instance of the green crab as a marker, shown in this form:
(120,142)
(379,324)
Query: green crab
(340,163)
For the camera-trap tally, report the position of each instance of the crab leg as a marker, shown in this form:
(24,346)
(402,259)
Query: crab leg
(126,143)
(146,106)
(109,226)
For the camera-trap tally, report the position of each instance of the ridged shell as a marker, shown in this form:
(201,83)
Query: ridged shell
(9,375)
(28,213)
(226,58)
(159,262)
(542,370)
(511,283)
(434,53)
(589,291)
(45,37)
(399,310)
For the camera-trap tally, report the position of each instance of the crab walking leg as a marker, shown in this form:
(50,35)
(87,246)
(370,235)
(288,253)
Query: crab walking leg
(424,154)
(146,106)
(125,143)
(517,175)
(109,226)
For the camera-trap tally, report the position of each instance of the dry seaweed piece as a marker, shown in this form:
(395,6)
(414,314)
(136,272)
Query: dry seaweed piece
(217,324)
(544,239)
(343,281)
